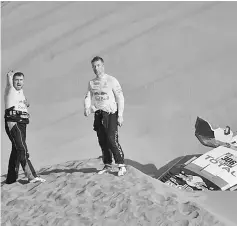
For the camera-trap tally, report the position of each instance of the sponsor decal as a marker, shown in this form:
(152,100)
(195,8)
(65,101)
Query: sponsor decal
(20,107)
(101,96)
(100,93)
(95,85)
(99,84)
(225,162)
(228,159)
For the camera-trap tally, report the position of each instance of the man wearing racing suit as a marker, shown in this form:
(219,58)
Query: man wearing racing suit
(105,99)
(16,119)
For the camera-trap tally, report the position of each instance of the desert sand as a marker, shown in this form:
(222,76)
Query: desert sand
(174,60)
(75,194)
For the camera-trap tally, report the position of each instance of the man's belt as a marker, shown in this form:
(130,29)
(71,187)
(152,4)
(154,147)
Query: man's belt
(103,112)
(22,114)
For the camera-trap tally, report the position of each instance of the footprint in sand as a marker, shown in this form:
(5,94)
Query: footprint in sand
(187,208)
(181,223)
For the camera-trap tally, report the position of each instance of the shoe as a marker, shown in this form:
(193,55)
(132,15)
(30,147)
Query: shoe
(10,182)
(106,169)
(122,170)
(37,179)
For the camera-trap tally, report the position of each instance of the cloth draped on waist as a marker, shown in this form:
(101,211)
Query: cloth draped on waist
(12,115)
(101,118)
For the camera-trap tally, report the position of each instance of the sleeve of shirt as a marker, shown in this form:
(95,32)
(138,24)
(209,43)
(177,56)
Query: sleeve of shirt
(87,100)
(118,92)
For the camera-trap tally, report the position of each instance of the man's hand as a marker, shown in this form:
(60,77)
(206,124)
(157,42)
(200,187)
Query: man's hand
(10,73)
(10,78)
(87,111)
(120,120)
(93,109)
(27,103)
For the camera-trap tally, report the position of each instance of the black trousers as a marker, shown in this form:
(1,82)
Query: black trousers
(19,154)
(106,127)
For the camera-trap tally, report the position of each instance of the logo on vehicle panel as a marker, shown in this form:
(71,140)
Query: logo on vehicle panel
(228,159)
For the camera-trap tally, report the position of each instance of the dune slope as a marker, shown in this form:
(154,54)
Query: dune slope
(75,194)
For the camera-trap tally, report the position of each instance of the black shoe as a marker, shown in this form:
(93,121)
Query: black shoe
(10,182)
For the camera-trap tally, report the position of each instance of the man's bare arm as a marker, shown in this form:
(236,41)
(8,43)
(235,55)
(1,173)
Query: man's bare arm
(10,79)
(26,102)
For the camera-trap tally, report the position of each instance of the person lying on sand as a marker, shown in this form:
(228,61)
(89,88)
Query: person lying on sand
(108,106)
(16,120)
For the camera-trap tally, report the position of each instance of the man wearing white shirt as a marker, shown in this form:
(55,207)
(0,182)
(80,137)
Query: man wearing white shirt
(105,99)
(16,119)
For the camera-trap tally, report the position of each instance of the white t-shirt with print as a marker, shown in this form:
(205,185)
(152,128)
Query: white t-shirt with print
(15,98)
(105,94)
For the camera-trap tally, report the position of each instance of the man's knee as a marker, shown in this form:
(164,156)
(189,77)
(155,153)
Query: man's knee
(22,155)
(102,141)
(113,141)
(21,148)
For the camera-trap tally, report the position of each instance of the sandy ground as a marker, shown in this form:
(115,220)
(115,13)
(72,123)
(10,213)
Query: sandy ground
(75,194)
(175,61)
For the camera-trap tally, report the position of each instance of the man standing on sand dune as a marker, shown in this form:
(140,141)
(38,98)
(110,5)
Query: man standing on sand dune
(16,119)
(105,99)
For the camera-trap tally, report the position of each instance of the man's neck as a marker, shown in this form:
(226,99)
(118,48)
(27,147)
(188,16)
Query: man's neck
(18,90)
(101,76)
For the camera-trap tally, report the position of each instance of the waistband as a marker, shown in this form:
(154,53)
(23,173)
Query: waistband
(22,114)
(16,116)
(97,112)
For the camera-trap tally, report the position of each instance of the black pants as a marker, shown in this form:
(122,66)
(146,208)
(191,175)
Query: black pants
(106,128)
(19,154)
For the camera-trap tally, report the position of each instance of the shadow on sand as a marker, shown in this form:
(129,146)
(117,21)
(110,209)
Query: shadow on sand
(83,170)
(148,169)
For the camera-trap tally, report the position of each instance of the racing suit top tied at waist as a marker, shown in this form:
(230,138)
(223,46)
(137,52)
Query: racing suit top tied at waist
(101,117)
(16,116)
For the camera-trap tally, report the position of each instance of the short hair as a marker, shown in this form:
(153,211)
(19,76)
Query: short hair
(97,58)
(18,73)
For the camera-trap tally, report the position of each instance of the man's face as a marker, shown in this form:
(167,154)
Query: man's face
(98,67)
(18,82)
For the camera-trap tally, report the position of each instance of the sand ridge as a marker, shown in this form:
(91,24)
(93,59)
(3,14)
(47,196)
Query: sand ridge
(75,194)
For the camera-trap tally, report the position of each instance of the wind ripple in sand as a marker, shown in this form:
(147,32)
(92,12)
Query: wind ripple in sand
(75,194)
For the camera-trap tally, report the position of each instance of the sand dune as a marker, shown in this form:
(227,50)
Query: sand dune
(175,61)
(75,194)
